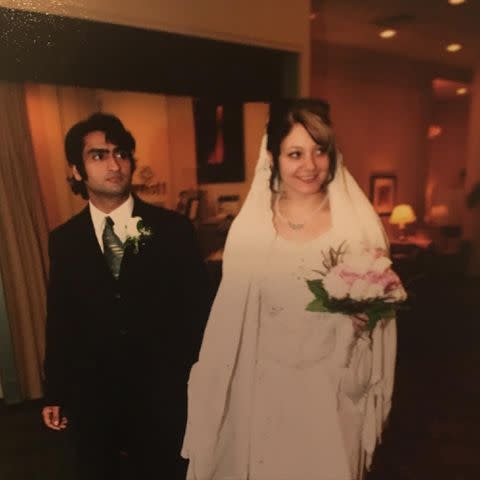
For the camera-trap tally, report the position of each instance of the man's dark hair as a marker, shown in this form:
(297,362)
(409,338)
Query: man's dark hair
(314,115)
(115,133)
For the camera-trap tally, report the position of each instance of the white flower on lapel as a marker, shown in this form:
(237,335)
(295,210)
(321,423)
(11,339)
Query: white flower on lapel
(131,228)
(136,233)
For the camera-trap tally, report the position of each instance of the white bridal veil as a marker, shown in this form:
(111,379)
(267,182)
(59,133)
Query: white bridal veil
(230,337)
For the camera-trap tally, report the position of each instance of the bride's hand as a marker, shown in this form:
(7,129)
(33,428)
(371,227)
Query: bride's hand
(359,321)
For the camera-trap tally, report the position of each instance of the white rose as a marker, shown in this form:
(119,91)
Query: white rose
(131,228)
(398,295)
(359,289)
(381,264)
(335,285)
(358,264)
(374,290)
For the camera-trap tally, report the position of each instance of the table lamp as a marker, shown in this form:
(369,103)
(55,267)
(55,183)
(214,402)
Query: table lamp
(401,215)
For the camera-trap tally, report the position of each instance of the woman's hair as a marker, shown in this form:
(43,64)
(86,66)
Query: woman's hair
(115,133)
(314,116)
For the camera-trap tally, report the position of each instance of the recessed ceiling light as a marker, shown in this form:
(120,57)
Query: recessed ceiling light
(453,47)
(313,15)
(461,91)
(456,2)
(388,33)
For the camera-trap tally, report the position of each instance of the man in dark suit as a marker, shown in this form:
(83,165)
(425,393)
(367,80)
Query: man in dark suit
(128,300)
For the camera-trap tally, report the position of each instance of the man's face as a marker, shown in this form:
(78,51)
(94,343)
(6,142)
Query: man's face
(108,168)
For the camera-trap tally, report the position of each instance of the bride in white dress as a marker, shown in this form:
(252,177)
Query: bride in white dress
(280,393)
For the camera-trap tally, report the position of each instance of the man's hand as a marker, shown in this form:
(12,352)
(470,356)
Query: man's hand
(51,418)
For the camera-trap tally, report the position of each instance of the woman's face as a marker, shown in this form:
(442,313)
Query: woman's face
(303,164)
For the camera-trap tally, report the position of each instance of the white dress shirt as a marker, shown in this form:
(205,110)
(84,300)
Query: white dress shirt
(119,216)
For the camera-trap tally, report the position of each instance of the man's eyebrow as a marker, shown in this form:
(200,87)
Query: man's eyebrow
(98,150)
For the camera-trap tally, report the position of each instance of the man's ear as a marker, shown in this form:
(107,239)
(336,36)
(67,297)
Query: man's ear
(76,174)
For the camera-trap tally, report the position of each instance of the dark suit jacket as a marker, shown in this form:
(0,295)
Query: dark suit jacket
(141,332)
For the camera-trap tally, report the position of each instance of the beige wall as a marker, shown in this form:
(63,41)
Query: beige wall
(472,217)
(164,130)
(447,159)
(281,24)
(145,115)
(255,117)
(447,152)
(181,144)
(473,155)
(162,126)
(381,108)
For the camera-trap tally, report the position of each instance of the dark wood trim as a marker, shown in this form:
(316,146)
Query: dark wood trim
(44,48)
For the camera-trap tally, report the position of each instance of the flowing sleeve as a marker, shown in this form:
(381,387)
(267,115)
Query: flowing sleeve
(365,390)
(247,242)
(209,379)
(379,394)
(355,380)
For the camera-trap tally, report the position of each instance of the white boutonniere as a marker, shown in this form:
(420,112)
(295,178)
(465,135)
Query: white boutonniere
(137,233)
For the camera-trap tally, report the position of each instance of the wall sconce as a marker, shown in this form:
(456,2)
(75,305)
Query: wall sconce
(402,215)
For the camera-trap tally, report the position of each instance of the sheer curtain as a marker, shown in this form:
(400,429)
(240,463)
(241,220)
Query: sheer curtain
(23,246)
(9,385)
(52,110)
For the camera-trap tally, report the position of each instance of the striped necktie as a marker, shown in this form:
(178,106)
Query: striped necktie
(112,247)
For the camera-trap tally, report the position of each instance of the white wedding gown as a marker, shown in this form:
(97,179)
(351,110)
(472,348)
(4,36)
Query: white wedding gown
(270,397)
(299,428)
(300,415)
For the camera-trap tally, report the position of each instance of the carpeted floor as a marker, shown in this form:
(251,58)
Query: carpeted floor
(27,450)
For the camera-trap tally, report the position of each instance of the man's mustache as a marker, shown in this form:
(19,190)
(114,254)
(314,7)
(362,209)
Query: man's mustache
(115,177)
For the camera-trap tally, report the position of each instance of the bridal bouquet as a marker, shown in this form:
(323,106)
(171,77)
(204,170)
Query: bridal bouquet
(357,283)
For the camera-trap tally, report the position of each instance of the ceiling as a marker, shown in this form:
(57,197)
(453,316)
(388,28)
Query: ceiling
(424,27)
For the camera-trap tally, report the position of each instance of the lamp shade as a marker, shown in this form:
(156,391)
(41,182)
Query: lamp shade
(402,214)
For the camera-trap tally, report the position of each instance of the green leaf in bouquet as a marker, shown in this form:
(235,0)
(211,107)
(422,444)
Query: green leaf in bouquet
(334,255)
(373,319)
(316,306)
(316,287)
(378,311)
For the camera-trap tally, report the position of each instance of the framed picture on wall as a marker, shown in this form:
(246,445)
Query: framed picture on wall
(383,192)
(219,141)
